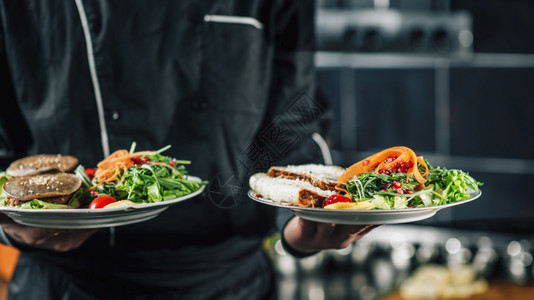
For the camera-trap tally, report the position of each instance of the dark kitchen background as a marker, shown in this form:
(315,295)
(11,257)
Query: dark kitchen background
(453,80)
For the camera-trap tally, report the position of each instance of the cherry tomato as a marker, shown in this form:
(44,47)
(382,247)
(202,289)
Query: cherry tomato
(101,201)
(335,199)
(90,173)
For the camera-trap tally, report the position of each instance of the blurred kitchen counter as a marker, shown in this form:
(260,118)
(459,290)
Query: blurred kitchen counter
(496,291)
(377,265)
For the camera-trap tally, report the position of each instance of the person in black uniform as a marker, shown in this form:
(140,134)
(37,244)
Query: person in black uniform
(229,84)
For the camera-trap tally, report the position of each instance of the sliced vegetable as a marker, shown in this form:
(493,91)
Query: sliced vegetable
(398,191)
(364,205)
(101,201)
(90,172)
(336,198)
(122,203)
(143,177)
(392,160)
(115,165)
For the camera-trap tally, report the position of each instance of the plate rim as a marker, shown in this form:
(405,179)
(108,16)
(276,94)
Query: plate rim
(475,194)
(78,211)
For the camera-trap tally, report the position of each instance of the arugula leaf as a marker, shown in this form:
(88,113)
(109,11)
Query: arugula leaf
(162,178)
(442,187)
(80,172)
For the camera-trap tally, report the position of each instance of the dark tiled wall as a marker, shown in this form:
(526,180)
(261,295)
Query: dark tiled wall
(492,112)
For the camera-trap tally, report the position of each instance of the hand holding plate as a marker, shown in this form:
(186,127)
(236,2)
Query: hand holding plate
(60,240)
(307,236)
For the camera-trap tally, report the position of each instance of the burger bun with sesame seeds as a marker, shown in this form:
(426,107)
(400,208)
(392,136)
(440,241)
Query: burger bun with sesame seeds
(42,163)
(54,189)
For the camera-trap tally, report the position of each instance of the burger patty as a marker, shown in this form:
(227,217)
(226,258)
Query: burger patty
(10,201)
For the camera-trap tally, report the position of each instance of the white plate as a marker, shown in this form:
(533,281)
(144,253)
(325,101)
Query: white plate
(365,217)
(84,218)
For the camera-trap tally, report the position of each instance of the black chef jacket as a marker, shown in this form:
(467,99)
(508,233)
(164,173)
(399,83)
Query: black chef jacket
(229,84)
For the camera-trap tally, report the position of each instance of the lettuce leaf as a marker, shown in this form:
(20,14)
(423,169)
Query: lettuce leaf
(38,204)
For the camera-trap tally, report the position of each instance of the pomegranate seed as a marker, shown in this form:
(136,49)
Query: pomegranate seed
(387,172)
(399,191)
(94,193)
(386,185)
(173,163)
(145,159)
(136,160)
(380,171)
(376,165)
(366,162)
(384,190)
(396,165)
(397,184)
(410,205)
(418,187)
(401,170)
(408,192)
(410,164)
(404,165)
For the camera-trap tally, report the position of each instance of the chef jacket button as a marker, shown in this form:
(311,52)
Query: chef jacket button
(199,105)
(115,115)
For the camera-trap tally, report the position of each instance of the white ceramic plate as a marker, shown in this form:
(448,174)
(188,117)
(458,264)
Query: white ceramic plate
(365,217)
(83,218)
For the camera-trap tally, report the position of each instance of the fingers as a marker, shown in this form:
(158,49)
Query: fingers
(59,239)
(308,236)
(65,240)
(48,238)
(337,236)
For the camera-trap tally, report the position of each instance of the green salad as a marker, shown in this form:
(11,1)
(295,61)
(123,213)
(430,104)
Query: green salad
(393,191)
(123,178)
(397,178)
(140,177)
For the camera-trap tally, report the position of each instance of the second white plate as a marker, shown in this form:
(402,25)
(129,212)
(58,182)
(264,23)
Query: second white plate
(365,217)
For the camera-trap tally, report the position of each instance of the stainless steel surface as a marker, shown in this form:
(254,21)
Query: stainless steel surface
(388,30)
(376,265)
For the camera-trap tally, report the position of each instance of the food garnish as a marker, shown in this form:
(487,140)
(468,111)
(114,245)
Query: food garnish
(124,178)
(392,160)
(336,198)
(394,178)
(397,178)
(101,202)
(122,203)
(140,177)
